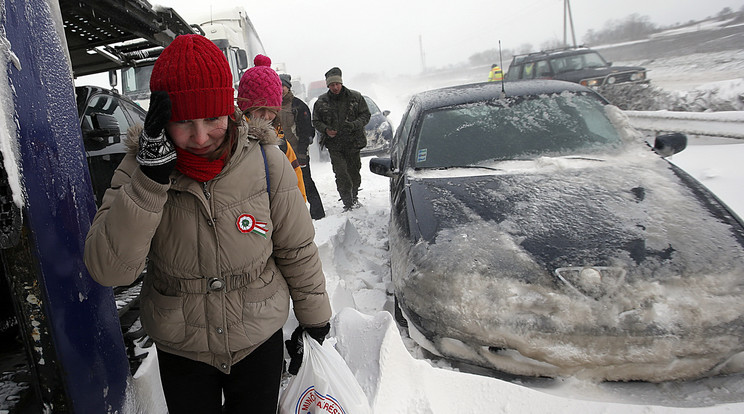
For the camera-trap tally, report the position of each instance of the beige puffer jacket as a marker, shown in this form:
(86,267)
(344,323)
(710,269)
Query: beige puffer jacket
(197,237)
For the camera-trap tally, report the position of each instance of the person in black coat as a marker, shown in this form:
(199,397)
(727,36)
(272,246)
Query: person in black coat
(299,131)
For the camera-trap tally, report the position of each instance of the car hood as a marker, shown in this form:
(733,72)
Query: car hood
(374,121)
(579,212)
(497,260)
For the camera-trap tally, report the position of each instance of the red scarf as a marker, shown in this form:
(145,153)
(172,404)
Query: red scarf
(199,168)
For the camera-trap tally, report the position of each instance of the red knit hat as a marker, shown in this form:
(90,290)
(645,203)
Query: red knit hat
(260,86)
(196,75)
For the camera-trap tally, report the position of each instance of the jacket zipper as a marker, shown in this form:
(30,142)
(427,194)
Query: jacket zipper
(222,326)
(207,194)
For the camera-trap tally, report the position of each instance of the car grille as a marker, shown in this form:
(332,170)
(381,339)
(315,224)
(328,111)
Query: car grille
(614,78)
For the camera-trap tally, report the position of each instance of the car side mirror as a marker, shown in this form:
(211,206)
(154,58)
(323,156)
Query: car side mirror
(382,166)
(385,112)
(104,126)
(242,59)
(113,78)
(670,144)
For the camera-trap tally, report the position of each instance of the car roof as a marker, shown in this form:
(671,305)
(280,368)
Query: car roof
(570,51)
(487,91)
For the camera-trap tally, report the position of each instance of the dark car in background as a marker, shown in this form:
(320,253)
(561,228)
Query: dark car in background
(379,132)
(579,65)
(537,233)
(379,129)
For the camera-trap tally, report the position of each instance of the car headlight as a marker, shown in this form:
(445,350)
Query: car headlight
(592,281)
(638,76)
(611,80)
(591,82)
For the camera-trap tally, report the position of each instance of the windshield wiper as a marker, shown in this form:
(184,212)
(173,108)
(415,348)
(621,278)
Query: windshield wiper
(472,166)
(579,157)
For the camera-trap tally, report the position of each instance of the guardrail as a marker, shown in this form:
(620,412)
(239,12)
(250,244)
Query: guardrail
(712,124)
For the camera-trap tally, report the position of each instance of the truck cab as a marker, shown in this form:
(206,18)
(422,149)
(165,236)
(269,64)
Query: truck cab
(231,30)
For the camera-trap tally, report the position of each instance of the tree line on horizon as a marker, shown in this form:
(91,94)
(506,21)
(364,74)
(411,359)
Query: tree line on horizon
(632,27)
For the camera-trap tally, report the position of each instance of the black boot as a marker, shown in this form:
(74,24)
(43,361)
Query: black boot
(355,199)
(348,201)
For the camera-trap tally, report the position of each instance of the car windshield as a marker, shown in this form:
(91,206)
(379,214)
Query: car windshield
(373,109)
(578,62)
(515,129)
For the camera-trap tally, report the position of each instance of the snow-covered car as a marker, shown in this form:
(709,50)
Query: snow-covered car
(533,231)
(379,130)
(580,65)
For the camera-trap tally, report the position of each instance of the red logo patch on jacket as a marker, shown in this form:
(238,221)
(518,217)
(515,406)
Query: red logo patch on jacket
(248,224)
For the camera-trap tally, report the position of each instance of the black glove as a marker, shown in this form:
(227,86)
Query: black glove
(302,159)
(157,155)
(295,345)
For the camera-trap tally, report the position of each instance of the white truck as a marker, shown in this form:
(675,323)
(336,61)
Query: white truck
(230,29)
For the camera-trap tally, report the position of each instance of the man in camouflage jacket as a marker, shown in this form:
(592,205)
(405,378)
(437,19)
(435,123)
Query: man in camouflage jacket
(340,116)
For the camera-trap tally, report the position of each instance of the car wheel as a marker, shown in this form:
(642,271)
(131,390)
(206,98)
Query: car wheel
(399,318)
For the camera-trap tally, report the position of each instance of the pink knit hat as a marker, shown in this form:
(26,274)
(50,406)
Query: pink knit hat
(260,86)
(196,75)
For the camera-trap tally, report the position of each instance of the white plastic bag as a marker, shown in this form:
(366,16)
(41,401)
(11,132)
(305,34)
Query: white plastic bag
(323,385)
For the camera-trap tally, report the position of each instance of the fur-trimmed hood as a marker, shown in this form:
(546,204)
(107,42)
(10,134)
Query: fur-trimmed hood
(250,129)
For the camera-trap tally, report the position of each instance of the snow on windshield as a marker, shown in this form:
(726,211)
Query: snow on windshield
(514,129)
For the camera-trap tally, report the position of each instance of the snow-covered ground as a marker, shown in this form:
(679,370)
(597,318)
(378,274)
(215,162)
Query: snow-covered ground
(398,377)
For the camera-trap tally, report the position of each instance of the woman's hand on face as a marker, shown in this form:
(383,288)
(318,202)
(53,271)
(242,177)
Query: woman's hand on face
(156,154)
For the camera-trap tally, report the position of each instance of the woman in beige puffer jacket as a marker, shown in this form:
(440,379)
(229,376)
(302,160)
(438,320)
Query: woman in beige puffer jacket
(225,253)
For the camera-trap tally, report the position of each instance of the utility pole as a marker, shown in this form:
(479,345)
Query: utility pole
(421,51)
(568,17)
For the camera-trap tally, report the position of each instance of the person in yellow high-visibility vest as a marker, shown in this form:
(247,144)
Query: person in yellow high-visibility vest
(495,74)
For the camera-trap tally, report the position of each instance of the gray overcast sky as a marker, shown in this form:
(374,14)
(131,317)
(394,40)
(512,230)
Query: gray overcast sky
(385,36)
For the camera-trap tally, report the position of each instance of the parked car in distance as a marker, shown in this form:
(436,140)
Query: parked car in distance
(579,65)
(379,130)
(537,233)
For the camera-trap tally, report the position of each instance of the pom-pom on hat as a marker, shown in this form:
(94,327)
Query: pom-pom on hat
(196,75)
(260,86)
(333,75)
